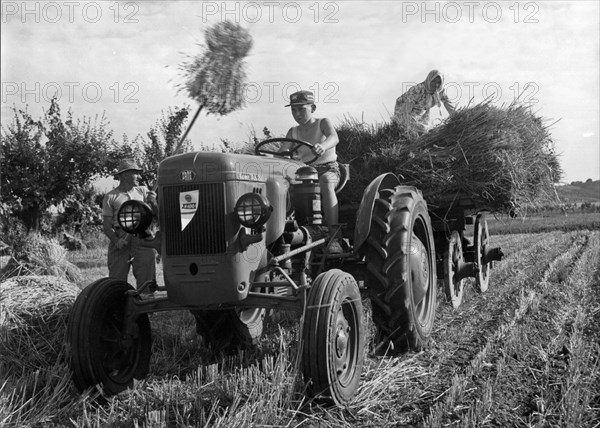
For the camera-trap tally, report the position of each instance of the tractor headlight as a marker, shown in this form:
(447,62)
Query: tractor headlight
(253,210)
(134,216)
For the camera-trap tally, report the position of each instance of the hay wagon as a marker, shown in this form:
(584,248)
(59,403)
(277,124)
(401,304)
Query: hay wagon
(459,254)
(458,257)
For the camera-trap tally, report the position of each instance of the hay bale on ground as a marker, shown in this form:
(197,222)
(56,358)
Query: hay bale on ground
(497,157)
(33,320)
(41,256)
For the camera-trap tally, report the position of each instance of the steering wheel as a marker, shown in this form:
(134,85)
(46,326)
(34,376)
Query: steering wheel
(296,145)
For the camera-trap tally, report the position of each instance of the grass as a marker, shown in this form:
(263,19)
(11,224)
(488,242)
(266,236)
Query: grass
(525,353)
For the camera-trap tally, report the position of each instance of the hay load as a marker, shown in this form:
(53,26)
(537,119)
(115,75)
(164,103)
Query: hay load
(33,319)
(499,158)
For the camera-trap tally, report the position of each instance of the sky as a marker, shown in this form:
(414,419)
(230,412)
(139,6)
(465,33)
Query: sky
(122,59)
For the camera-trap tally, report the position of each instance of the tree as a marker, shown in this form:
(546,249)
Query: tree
(162,142)
(52,161)
(82,209)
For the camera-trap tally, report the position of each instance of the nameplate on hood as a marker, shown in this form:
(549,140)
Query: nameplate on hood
(188,205)
(187,175)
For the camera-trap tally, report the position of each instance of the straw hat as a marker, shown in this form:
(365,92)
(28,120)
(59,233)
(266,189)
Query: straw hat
(127,165)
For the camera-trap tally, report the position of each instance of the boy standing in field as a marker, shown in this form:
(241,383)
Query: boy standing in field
(323,136)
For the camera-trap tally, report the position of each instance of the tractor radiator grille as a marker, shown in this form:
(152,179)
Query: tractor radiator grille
(205,234)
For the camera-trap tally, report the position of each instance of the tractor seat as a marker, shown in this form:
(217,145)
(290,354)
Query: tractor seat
(344,176)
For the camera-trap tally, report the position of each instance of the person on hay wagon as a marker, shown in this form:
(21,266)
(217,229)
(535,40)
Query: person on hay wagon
(413,107)
(124,250)
(321,134)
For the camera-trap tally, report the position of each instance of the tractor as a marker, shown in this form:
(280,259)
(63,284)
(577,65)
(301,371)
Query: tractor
(241,236)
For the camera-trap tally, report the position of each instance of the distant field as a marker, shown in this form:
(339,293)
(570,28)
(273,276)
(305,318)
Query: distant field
(571,222)
(579,192)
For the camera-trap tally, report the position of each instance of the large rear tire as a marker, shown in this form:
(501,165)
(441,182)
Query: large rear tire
(333,338)
(401,267)
(102,355)
(231,328)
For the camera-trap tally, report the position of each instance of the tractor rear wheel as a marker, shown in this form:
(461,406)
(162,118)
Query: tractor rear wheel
(103,356)
(401,267)
(333,338)
(230,329)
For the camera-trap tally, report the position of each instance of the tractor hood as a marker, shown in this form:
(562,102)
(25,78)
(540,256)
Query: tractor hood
(198,167)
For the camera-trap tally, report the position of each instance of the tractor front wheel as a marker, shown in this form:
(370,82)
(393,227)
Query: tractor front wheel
(103,354)
(333,338)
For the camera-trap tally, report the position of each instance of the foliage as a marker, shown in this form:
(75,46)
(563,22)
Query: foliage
(162,142)
(247,147)
(53,161)
(12,229)
(82,211)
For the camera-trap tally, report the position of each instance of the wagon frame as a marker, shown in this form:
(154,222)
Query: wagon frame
(457,257)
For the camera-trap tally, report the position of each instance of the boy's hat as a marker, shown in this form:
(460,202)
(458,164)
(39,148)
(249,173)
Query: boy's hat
(126,165)
(301,97)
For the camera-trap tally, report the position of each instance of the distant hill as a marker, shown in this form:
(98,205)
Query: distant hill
(579,191)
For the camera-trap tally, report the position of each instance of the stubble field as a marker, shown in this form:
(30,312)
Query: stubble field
(525,353)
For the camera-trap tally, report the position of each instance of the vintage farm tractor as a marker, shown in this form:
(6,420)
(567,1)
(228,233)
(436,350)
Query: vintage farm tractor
(243,234)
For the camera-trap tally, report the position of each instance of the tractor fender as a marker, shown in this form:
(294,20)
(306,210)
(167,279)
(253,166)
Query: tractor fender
(365,210)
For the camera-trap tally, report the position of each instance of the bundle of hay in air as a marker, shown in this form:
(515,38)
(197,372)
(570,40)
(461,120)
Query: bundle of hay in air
(33,320)
(498,158)
(215,79)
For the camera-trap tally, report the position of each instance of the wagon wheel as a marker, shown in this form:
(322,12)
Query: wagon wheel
(333,338)
(401,269)
(453,256)
(103,356)
(481,242)
(230,329)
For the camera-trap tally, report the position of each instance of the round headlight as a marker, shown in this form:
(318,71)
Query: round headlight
(253,210)
(134,216)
